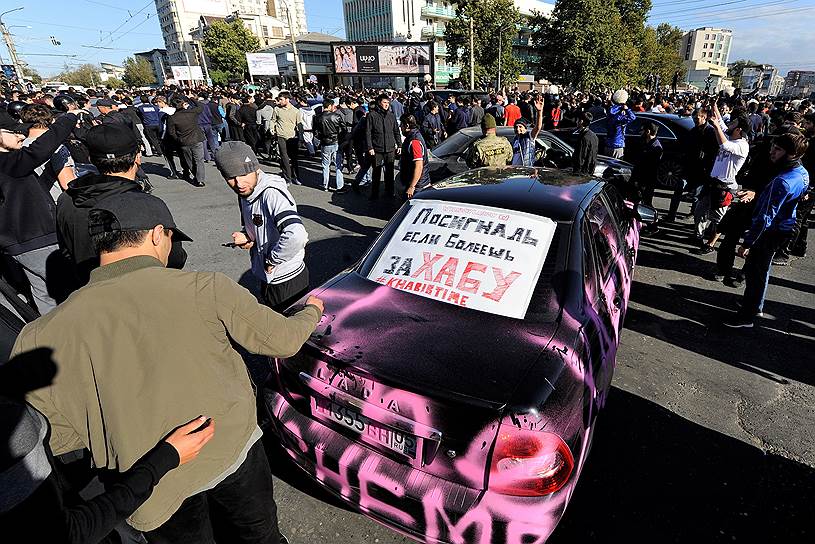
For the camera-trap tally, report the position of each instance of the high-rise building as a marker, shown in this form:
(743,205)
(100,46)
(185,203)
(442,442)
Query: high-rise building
(264,18)
(425,21)
(705,53)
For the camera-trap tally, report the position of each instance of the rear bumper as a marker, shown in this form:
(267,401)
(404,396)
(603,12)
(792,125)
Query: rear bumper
(412,502)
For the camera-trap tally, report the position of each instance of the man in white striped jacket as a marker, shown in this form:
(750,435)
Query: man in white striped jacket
(272,229)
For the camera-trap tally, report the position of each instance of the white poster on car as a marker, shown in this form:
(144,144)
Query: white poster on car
(262,64)
(478,257)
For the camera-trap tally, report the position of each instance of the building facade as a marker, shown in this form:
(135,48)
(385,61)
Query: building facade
(799,83)
(266,19)
(160,63)
(316,59)
(759,79)
(705,52)
(425,20)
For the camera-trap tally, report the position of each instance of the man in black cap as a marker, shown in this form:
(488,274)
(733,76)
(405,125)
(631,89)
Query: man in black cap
(159,343)
(114,151)
(109,113)
(27,228)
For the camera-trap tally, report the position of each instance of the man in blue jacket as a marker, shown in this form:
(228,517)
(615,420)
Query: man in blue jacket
(772,226)
(619,117)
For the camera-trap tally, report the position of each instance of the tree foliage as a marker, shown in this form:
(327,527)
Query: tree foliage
(582,44)
(592,43)
(226,45)
(138,72)
(35,77)
(86,75)
(489,31)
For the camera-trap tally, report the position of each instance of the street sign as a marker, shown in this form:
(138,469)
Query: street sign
(262,64)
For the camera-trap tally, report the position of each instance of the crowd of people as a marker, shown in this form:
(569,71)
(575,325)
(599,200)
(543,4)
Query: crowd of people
(96,260)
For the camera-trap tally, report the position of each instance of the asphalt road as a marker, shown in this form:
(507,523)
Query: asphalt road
(708,434)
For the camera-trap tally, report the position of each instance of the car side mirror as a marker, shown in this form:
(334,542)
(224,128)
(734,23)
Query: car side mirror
(647,214)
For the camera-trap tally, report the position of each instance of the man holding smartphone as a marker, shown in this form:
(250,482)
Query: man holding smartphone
(272,229)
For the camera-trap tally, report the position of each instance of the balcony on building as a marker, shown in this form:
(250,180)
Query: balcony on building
(438,12)
(440,50)
(431,31)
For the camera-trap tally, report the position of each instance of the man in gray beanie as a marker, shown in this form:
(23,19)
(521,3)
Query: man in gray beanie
(272,229)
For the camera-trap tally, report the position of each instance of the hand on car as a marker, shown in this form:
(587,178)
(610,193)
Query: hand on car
(314,301)
(241,240)
(371,152)
(410,192)
(743,251)
(187,441)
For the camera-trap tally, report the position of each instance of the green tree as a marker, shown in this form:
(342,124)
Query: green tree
(86,75)
(138,72)
(583,44)
(495,22)
(660,54)
(226,45)
(115,83)
(35,77)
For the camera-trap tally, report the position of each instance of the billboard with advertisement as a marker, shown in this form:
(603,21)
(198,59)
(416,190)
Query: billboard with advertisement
(262,64)
(403,58)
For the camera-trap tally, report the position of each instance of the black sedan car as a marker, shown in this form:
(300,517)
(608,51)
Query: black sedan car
(450,156)
(672,131)
(451,389)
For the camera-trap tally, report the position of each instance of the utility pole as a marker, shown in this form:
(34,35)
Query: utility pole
(294,46)
(10,44)
(500,49)
(472,58)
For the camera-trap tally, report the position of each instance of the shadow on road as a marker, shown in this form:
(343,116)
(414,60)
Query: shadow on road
(653,475)
(695,326)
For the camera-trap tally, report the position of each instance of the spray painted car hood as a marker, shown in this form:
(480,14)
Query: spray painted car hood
(416,343)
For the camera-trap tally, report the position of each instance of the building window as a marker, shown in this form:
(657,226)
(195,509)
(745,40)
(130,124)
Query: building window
(707,36)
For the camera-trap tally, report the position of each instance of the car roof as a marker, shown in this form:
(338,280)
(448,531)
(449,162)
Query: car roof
(666,118)
(547,192)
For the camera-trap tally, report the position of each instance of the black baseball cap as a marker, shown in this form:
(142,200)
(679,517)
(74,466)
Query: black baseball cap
(105,102)
(9,123)
(111,140)
(133,211)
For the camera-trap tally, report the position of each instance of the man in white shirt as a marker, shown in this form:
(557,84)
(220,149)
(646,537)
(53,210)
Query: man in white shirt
(733,151)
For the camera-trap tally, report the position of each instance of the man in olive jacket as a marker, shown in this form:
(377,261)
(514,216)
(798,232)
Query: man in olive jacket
(142,347)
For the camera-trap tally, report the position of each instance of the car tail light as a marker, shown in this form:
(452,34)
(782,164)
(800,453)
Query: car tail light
(530,464)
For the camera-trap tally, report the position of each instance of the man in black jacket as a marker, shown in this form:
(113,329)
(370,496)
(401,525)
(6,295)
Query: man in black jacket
(114,152)
(183,128)
(248,118)
(383,139)
(329,126)
(646,164)
(584,159)
(27,227)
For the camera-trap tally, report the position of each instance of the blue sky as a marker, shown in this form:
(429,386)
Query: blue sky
(772,31)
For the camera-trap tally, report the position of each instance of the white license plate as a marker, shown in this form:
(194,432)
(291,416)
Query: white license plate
(351,419)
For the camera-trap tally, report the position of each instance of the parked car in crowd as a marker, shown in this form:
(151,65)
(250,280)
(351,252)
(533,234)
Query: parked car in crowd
(450,156)
(672,131)
(451,389)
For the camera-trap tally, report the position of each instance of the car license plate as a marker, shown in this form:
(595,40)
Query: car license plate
(351,419)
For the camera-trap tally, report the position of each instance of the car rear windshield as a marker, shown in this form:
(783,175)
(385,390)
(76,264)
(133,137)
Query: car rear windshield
(488,259)
(452,145)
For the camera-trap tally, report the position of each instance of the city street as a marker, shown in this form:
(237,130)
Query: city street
(707,434)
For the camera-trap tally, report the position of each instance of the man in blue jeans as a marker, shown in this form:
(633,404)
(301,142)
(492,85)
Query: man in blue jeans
(772,226)
(328,127)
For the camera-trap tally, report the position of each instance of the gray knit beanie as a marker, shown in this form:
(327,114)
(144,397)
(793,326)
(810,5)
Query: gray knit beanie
(235,159)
